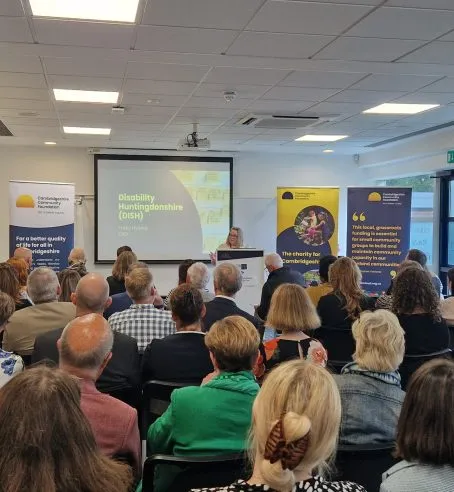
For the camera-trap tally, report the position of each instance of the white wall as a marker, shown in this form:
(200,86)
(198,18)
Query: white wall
(256,176)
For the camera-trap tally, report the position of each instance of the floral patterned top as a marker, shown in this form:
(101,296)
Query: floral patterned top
(10,365)
(279,350)
(315,484)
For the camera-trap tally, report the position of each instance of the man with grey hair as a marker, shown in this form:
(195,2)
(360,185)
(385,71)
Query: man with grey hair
(45,315)
(227,283)
(198,276)
(278,275)
(122,374)
(85,349)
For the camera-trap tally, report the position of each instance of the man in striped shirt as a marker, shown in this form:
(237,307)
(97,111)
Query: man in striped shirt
(142,320)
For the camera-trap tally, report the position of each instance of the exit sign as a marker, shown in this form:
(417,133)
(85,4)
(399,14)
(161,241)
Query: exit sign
(450,156)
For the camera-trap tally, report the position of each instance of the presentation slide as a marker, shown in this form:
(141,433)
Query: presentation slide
(167,208)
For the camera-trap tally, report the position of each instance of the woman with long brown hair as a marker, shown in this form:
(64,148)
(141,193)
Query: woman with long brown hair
(344,305)
(9,284)
(68,282)
(46,443)
(116,281)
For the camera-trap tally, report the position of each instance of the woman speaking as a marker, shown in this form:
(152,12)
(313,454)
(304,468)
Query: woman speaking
(234,241)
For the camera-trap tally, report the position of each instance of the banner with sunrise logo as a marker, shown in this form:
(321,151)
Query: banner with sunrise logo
(307,227)
(42,219)
(378,233)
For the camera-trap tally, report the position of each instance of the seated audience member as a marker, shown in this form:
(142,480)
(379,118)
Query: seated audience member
(123,370)
(68,282)
(447,305)
(227,282)
(315,292)
(10,364)
(77,261)
(9,284)
(417,305)
(198,277)
(46,443)
(122,249)
(385,301)
(116,281)
(292,313)
(278,275)
(421,258)
(142,320)
(425,433)
(45,315)
(182,278)
(212,419)
(344,305)
(24,254)
(21,269)
(370,386)
(85,350)
(295,424)
(183,356)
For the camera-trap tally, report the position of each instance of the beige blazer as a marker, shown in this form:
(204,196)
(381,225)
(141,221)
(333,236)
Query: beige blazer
(25,325)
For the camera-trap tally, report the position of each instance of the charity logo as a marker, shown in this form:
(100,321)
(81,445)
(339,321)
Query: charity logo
(374,197)
(25,201)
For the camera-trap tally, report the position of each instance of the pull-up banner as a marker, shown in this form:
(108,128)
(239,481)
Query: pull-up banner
(42,219)
(378,233)
(307,227)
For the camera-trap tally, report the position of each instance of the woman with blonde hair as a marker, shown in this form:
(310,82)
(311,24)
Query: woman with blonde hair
(68,282)
(370,386)
(296,418)
(293,314)
(234,240)
(344,305)
(116,281)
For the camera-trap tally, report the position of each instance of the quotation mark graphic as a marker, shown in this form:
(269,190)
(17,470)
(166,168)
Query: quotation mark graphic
(361,217)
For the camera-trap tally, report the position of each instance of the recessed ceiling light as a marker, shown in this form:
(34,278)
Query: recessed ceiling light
(86,96)
(320,138)
(103,10)
(86,131)
(50,143)
(153,101)
(328,151)
(391,108)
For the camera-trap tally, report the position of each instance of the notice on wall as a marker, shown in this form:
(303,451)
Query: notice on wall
(42,219)
(378,233)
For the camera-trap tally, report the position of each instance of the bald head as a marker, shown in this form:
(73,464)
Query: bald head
(86,343)
(92,294)
(77,255)
(273,262)
(24,254)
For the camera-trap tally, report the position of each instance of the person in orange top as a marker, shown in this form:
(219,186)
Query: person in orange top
(318,291)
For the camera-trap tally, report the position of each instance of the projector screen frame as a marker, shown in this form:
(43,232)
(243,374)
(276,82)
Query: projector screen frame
(165,158)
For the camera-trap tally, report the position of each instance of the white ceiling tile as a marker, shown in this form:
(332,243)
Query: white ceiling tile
(351,2)
(166,71)
(435,52)
(444,85)
(218,102)
(74,107)
(427,98)
(131,98)
(279,106)
(159,87)
(86,67)
(245,76)
(278,45)
(208,112)
(180,130)
(8,79)
(217,14)
(243,91)
(322,80)
(422,4)
(306,18)
(48,113)
(75,33)
(44,122)
(338,108)
(367,49)
(31,130)
(404,83)
(398,23)
(299,94)
(25,64)
(15,30)
(448,37)
(11,8)
(188,120)
(24,104)
(372,97)
(183,39)
(158,112)
(84,83)
(24,93)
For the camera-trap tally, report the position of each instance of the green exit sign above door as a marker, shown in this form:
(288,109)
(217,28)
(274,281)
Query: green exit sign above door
(450,156)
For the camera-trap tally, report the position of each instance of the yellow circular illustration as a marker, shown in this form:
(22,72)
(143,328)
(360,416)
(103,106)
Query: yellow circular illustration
(374,197)
(25,201)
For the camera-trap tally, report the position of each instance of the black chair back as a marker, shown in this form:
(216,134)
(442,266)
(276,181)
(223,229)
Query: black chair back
(412,362)
(155,400)
(364,464)
(196,472)
(339,344)
(130,396)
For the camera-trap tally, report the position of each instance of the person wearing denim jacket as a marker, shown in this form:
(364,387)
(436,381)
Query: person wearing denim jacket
(370,386)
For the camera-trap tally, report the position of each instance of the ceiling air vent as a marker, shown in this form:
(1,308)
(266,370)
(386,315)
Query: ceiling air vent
(281,122)
(4,132)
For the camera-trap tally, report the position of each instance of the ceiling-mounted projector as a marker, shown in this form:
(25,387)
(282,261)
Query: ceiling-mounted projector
(193,142)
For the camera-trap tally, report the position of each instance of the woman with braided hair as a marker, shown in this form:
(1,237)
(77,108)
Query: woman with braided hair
(296,418)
